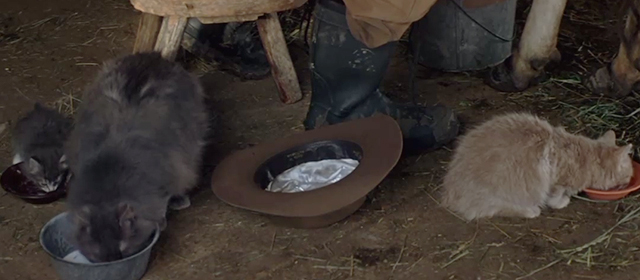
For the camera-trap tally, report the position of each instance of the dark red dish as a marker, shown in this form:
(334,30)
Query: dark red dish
(17,184)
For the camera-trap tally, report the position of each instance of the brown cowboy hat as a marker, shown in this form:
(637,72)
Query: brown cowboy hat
(241,179)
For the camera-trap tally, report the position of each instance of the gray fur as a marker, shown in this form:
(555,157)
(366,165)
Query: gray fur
(38,141)
(137,142)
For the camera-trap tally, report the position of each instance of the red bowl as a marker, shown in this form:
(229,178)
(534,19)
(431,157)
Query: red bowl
(17,184)
(634,185)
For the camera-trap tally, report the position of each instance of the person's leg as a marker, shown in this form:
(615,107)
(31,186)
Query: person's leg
(346,76)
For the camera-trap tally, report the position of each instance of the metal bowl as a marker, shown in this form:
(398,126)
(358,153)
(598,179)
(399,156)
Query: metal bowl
(53,238)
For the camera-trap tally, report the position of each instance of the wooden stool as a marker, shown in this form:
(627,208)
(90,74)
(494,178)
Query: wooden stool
(163,22)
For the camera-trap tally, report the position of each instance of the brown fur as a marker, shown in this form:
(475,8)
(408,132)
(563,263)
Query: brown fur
(515,164)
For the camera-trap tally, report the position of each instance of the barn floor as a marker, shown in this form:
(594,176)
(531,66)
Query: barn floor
(49,50)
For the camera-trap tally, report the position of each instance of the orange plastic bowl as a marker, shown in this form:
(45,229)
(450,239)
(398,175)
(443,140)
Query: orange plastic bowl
(634,185)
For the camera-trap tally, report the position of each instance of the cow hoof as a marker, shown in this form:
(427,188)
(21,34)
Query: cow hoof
(602,82)
(501,78)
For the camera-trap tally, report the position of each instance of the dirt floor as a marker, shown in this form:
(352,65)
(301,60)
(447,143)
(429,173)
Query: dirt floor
(49,50)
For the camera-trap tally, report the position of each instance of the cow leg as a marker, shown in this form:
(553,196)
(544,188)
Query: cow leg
(537,47)
(621,76)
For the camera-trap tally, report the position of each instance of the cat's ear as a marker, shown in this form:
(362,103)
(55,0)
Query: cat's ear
(63,162)
(81,218)
(127,218)
(33,166)
(609,137)
(625,150)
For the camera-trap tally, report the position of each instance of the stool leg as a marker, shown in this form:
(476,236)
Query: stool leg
(147,34)
(170,36)
(282,68)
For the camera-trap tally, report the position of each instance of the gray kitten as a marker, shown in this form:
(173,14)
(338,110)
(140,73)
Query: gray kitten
(137,143)
(38,141)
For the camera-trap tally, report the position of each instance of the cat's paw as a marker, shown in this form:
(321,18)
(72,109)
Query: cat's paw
(531,213)
(559,202)
(179,202)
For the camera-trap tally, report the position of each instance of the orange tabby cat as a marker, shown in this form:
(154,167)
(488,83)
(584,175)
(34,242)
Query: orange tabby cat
(515,164)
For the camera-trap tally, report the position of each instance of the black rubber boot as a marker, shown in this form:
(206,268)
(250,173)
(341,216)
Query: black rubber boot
(345,81)
(235,46)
